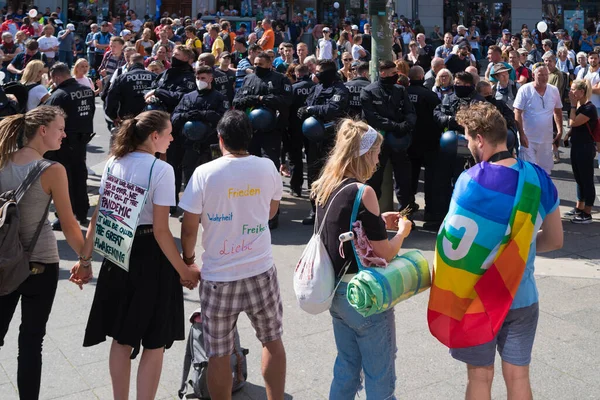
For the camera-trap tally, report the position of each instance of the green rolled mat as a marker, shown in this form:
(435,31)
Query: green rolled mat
(375,290)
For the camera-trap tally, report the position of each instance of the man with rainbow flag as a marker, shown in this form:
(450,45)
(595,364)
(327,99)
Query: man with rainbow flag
(483,295)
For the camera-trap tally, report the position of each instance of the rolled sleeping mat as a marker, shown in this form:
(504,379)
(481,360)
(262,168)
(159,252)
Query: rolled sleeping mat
(375,290)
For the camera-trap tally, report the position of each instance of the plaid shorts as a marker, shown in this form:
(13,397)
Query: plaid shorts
(222,303)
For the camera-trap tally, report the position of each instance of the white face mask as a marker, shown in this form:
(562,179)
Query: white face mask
(201,84)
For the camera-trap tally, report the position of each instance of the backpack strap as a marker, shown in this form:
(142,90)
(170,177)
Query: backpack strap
(327,211)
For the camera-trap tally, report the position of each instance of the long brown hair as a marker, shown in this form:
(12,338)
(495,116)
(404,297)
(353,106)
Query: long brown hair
(17,130)
(344,160)
(133,132)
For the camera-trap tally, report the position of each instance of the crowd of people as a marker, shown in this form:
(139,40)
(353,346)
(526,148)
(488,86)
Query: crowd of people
(231,111)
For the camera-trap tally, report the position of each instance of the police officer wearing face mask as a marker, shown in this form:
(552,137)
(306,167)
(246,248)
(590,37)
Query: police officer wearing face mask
(126,95)
(425,148)
(271,90)
(221,81)
(356,85)
(301,89)
(78,102)
(327,102)
(167,91)
(387,108)
(205,105)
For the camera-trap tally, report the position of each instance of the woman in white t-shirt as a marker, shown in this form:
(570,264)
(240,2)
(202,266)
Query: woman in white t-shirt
(142,306)
(32,79)
(358,52)
(80,73)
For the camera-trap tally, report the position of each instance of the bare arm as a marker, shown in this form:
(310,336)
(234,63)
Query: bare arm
(519,121)
(551,235)
(11,68)
(577,120)
(387,249)
(596,88)
(558,118)
(189,233)
(273,208)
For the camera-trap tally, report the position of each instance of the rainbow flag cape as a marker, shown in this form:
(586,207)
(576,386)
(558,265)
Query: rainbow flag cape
(475,279)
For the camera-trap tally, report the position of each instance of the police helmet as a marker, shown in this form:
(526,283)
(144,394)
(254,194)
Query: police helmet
(262,119)
(196,131)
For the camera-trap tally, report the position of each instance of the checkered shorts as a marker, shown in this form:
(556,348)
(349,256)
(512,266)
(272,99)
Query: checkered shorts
(222,302)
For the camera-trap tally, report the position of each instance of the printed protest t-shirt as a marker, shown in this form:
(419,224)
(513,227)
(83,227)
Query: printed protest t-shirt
(234,197)
(135,168)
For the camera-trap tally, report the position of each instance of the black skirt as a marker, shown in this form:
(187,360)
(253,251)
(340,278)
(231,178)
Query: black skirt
(141,307)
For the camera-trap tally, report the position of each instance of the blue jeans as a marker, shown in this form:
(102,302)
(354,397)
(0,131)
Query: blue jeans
(66,57)
(367,344)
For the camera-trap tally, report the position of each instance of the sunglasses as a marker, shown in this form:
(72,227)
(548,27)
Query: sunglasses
(347,59)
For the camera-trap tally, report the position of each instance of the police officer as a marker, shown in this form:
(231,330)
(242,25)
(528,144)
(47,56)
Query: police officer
(207,105)
(356,85)
(301,90)
(445,116)
(221,81)
(78,103)
(167,91)
(126,95)
(268,89)
(425,147)
(387,108)
(327,102)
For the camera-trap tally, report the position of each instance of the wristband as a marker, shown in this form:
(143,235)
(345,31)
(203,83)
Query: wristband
(189,260)
(85,259)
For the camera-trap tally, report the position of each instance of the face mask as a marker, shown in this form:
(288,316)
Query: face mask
(261,72)
(389,80)
(326,77)
(463,91)
(177,63)
(201,84)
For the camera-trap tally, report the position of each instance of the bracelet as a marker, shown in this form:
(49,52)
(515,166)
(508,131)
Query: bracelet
(189,260)
(85,264)
(84,259)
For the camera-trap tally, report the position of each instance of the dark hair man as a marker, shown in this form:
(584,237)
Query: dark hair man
(327,102)
(356,85)
(388,109)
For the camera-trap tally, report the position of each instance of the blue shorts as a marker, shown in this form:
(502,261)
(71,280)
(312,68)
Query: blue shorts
(514,341)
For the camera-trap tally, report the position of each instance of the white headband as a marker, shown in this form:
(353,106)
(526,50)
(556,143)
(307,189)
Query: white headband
(367,140)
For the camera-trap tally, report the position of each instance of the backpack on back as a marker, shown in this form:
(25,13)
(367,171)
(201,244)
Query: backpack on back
(21,92)
(14,258)
(195,356)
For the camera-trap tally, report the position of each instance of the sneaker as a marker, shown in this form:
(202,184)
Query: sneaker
(556,157)
(573,212)
(310,220)
(583,218)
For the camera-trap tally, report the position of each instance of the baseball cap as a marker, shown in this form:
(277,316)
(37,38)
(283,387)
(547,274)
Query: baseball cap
(522,51)
(71,27)
(240,39)
(104,23)
(461,27)
(499,67)
(505,32)
(354,27)
(125,32)
(225,54)
(326,29)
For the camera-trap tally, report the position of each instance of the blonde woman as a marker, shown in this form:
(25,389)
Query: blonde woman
(363,344)
(144,42)
(80,73)
(346,70)
(443,83)
(32,79)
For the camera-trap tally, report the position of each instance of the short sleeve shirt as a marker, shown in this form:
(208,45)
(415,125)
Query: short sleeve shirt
(269,36)
(582,134)
(538,111)
(218,46)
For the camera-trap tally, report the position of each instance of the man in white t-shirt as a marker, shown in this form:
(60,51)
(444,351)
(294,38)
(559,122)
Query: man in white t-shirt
(137,24)
(535,105)
(49,43)
(593,75)
(325,48)
(234,197)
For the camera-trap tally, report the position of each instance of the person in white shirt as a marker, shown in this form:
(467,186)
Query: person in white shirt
(534,106)
(48,43)
(593,75)
(137,24)
(233,197)
(358,51)
(325,46)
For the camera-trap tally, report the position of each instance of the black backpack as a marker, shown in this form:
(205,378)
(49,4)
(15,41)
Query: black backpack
(195,356)
(14,258)
(21,92)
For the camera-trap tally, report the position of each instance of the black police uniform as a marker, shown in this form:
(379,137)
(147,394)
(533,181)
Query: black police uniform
(327,102)
(169,88)
(355,86)
(207,106)
(388,109)
(224,83)
(276,92)
(78,102)
(125,97)
(295,138)
(424,151)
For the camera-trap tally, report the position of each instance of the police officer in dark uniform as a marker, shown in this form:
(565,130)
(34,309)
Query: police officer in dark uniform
(268,89)
(167,91)
(78,102)
(425,147)
(301,89)
(126,95)
(207,105)
(387,108)
(356,85)
(327,102)
(221,81)
(445,117)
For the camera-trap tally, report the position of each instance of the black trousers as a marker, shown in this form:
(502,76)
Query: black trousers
(194,156)
(294,149)
(37,295)
(402,174)
(175,155)
(437,187)
(582,162)
(266,144)
(72,155)
(316,156)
